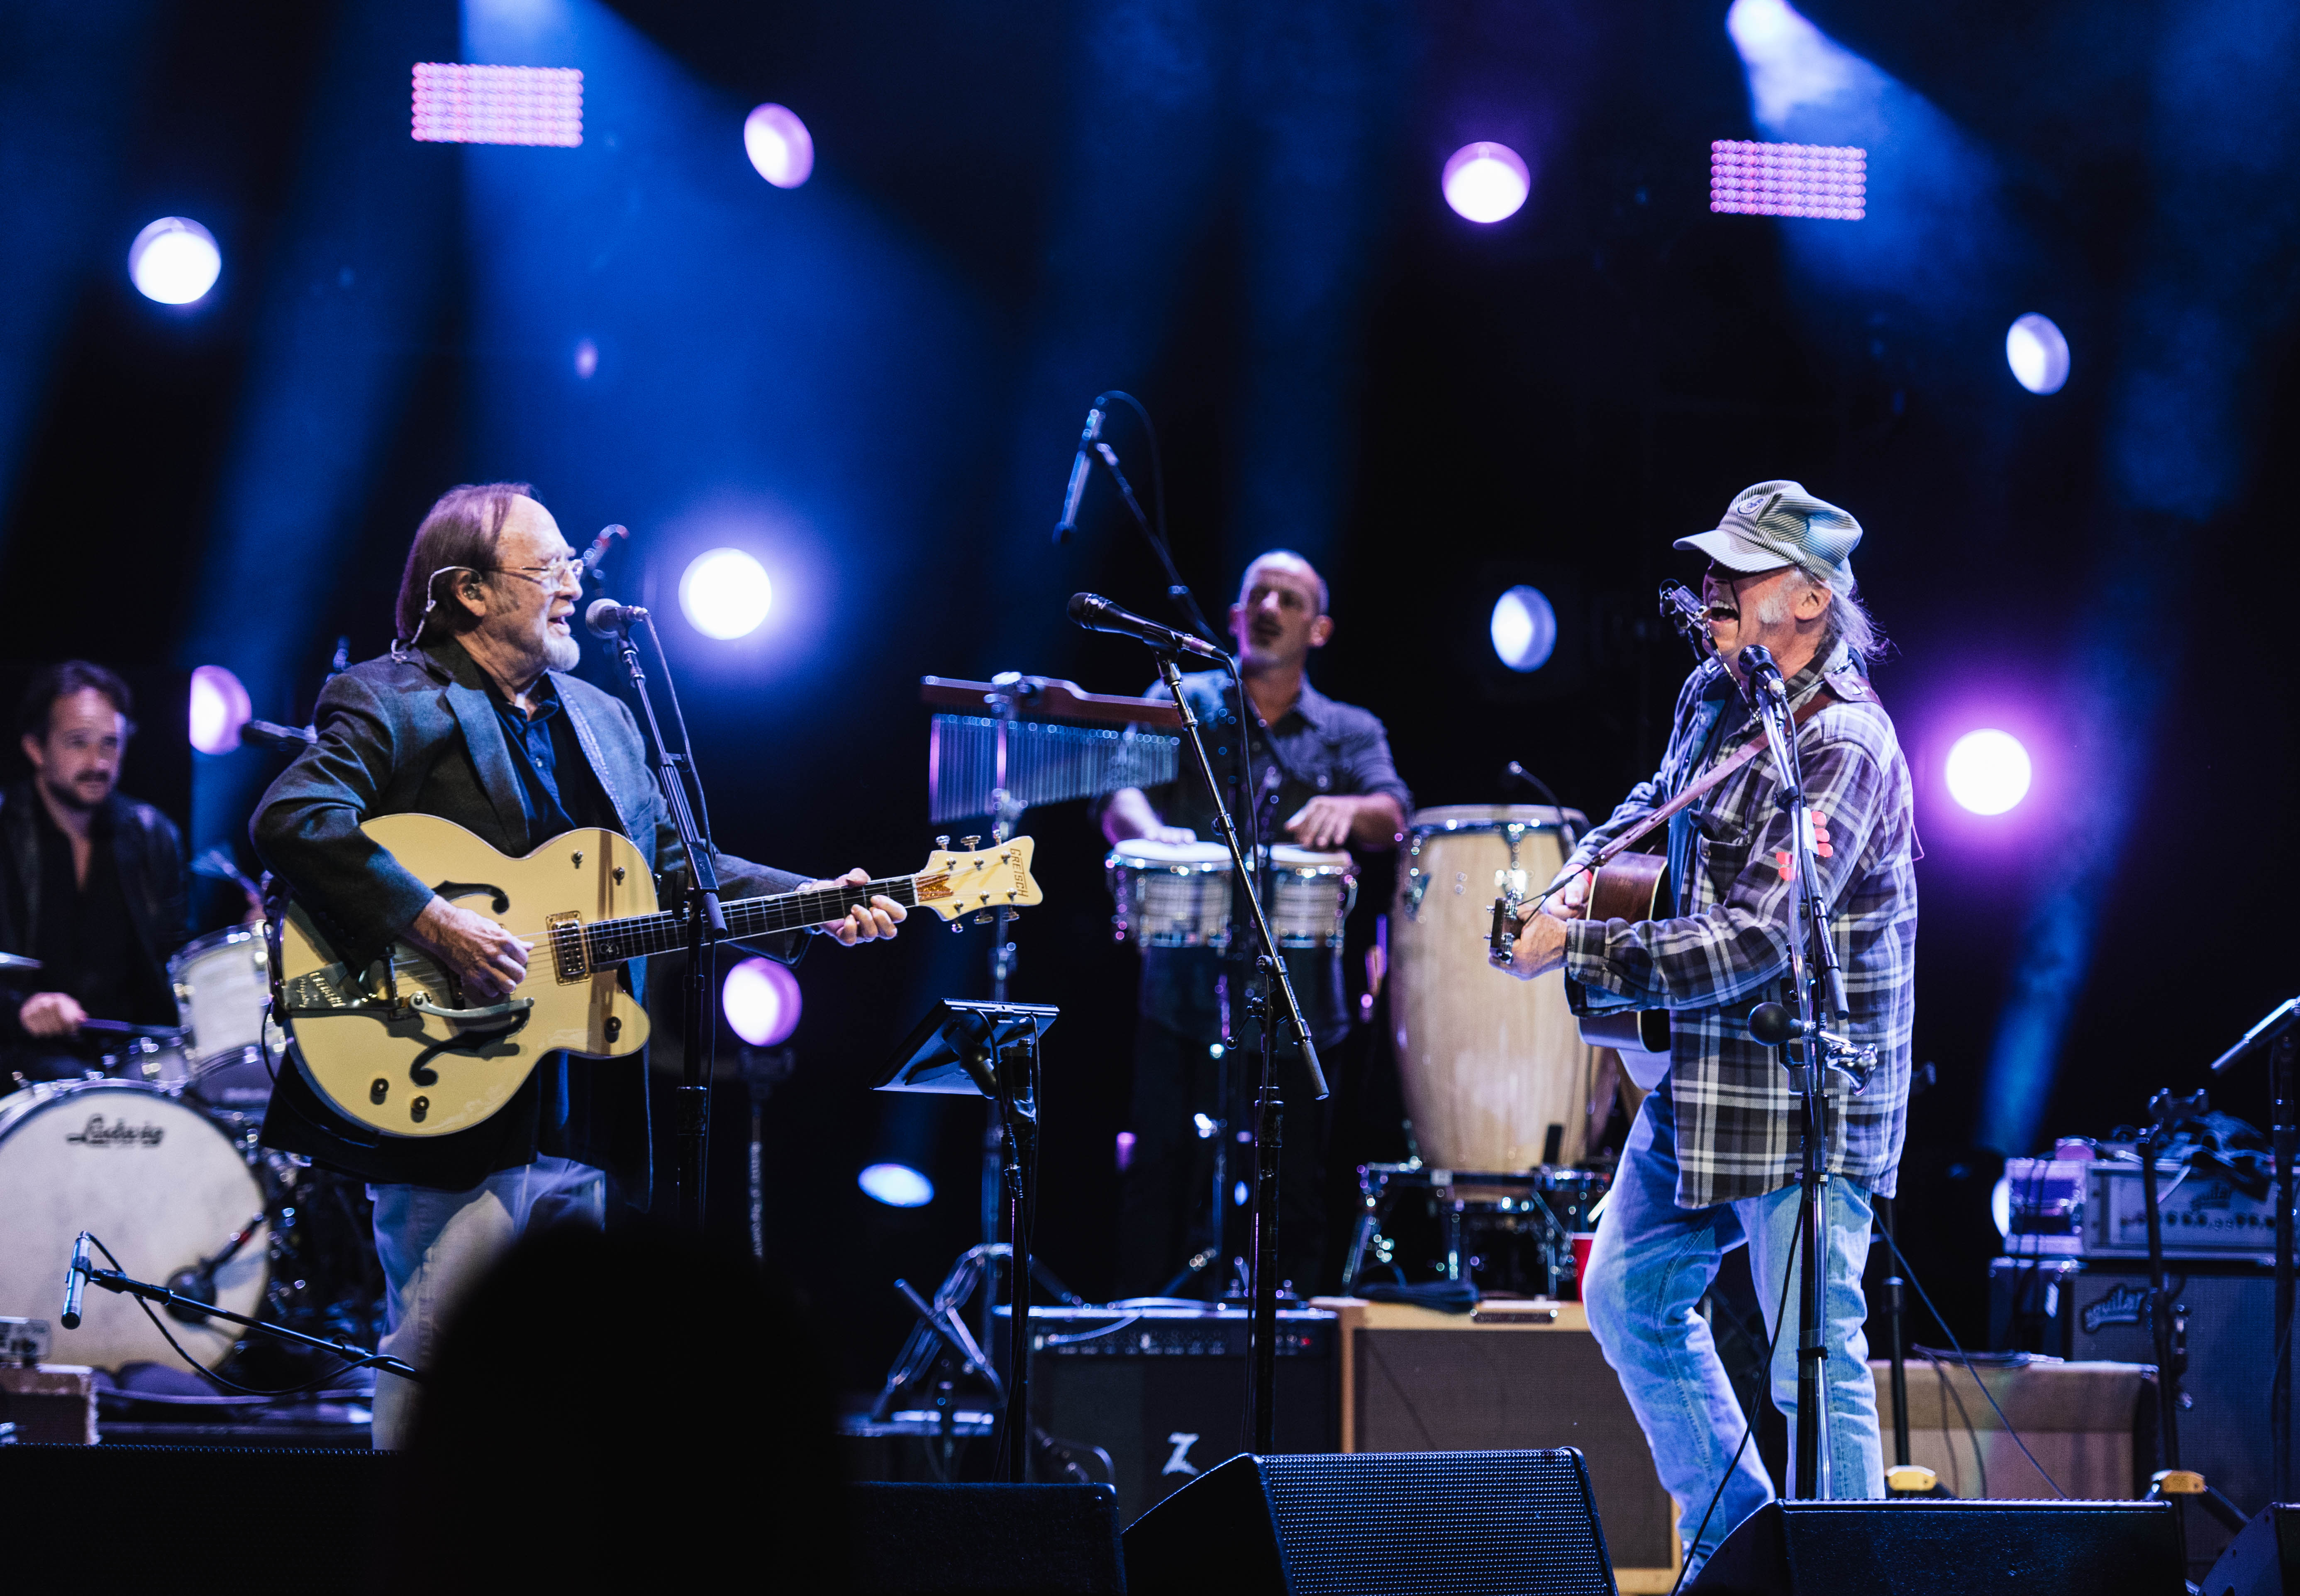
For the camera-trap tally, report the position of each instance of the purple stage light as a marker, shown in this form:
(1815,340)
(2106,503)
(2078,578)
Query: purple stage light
(174,261)
(586,359)
(1524,627)
(1825,181)
(218,709)
(455,103)
(761,999)
(780,148)
(726,594)
(897,1185)
(1485,182)
(2037,352)
(1988,772)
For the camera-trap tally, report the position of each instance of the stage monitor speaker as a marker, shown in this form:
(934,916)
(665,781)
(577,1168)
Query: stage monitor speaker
(1464,1524)
(1026,1540)
(2263,1559)
(1934,1548)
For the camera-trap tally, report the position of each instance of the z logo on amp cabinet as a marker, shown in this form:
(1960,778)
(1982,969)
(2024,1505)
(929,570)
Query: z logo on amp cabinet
(1181,1441)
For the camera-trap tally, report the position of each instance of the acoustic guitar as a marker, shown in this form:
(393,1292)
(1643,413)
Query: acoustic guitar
(396,1047)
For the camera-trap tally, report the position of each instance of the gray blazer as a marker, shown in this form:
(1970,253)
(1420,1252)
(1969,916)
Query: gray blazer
(419,733)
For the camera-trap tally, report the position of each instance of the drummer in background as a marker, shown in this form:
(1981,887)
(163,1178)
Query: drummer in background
(1323,778)
(91,883)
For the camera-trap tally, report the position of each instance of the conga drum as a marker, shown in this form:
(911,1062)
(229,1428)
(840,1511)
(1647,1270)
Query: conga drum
(1496,1074)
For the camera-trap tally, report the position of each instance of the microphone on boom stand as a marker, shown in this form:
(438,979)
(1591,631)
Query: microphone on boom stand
(1097,614)
(1079,469)
(608,619)
(75,1282)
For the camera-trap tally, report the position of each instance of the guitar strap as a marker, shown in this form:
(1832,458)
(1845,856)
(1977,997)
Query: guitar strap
(1823,696)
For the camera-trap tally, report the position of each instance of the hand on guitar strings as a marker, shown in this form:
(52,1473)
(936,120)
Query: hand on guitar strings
(488,960)
(863,923)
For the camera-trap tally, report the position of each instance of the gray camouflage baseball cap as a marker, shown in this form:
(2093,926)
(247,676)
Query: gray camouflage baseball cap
(1770,524)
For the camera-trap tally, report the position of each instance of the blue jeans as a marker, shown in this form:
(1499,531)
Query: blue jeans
(1651,1263)
(434,1244)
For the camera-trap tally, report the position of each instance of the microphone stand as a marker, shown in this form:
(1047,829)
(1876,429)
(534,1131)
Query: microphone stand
(2279,1030)
(1270,1107)
(1812,966)
(706,926)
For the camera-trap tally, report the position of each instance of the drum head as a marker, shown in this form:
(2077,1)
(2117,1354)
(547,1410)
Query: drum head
(151,1175)
(222,984)
(1291,855)
(1142,850)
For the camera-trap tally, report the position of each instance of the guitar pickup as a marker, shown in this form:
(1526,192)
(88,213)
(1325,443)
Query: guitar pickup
(570,951)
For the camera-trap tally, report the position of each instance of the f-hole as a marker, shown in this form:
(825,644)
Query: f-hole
(498,900)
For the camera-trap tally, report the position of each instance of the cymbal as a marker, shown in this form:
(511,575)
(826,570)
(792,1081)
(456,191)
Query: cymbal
(17,961)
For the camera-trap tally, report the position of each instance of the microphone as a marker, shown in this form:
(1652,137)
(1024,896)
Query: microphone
(1080,468)
(75,1282)
(1757,664)
(1772,1025)
(608,619)
(598,549)
(1097,614)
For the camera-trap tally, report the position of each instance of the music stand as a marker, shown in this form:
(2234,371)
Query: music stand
(990,1051)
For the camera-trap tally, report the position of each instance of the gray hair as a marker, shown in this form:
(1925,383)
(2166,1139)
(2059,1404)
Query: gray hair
(1849,620)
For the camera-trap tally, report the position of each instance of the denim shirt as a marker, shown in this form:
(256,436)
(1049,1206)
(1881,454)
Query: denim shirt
(1317,747)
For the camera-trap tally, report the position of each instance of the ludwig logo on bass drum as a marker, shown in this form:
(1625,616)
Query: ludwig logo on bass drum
(118,1133)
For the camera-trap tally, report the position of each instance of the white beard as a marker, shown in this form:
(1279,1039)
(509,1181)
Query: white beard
(562,652)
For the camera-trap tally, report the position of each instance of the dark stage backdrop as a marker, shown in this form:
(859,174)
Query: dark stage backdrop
(1001,225)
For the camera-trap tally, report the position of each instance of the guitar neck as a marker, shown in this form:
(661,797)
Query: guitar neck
(616,942)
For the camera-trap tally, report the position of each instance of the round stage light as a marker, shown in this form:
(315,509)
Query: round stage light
(2037,353)
(725,593)
(897,1185)
(781,149)
(761,999)
(586,359)
(174,261)
(1524,627)
(1988,772)
(219,708)
(1485,182)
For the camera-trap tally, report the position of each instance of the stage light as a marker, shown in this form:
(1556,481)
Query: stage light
(1791,62)
(1988,772)
(586,359)
(897,1185)
(1828,182)
(2037,353)
(762,1001)
(726,594)
(456,103)
(1524,627)
(174,261)
(781,149)
(1485,182)
(219,708)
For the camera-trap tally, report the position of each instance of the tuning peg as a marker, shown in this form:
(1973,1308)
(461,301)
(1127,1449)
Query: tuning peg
(943,842)
(968,843)
(982,919)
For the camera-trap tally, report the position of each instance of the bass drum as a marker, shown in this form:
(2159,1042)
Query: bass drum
(155,1180)
(1493,1068)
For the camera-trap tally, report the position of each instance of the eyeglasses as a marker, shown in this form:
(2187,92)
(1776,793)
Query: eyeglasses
(551,573)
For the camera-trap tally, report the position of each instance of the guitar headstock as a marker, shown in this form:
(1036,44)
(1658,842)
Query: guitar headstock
(971,881)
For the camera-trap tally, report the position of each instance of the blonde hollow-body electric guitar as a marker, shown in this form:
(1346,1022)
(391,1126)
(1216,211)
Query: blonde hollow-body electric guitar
(396,1047)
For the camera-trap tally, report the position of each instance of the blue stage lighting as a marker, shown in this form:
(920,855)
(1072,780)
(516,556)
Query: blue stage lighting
(586,358)
(726,594)
(1791,62)
(897,1185)
(781,149)
(219,708)
(1524,627)
(174,261)
(1988,772)
(1485,182)
(2037,353)
(762,1001)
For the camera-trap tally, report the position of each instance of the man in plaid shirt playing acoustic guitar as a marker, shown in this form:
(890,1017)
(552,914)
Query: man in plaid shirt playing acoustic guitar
(1713,1160)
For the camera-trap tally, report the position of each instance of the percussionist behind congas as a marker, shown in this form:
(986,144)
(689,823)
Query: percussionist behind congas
(1323,778)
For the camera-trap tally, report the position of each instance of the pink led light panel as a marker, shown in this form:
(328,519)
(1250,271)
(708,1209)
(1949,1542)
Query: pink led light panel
(456,103)
(1830,181)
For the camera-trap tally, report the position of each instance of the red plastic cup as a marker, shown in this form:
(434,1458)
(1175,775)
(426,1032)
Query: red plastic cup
(1582,1240)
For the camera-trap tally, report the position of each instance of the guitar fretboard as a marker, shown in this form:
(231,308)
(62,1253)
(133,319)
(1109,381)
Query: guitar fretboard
(606,942)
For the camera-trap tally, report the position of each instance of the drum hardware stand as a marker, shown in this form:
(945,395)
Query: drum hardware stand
(191,1311)
(1901,1477)
(992,1049)
(2166,1115)
(2280,1032)
(1813,972)
(763,1069)
(706,926)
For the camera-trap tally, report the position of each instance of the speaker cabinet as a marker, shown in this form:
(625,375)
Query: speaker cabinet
(2263,1559)
(1933,1548)
(2091,1425)
(1459,1523)
(1511,1376)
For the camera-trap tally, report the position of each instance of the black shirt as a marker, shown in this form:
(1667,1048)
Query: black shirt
(85,941)
(1317,747)
(537,753)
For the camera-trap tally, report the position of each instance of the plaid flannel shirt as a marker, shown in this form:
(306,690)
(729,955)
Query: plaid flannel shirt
(1728,949)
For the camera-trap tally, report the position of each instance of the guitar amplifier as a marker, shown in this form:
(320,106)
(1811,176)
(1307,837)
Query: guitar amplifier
(2097,1208)
(1162,1391)
(1512,1375)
